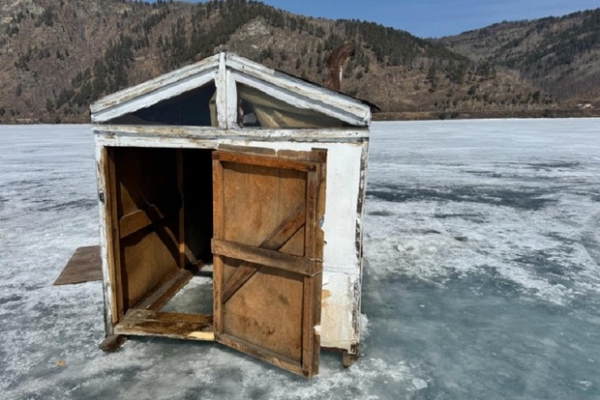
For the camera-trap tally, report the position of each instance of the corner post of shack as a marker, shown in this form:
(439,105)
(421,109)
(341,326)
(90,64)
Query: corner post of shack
(250,180)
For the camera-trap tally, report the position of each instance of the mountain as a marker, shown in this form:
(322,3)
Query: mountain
(561,55)
(56,57)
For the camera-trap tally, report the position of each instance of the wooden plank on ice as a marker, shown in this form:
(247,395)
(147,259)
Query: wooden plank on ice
(84,266)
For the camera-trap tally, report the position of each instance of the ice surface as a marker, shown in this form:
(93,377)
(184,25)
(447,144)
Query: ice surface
(482,277)
(196,297)
(517,197)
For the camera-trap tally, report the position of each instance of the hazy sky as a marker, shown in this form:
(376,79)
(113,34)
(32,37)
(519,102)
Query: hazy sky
(434,18)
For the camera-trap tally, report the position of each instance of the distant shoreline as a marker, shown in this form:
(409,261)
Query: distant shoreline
(507,114)
(395,116)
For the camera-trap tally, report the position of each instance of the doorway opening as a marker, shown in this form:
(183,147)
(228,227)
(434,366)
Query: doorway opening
(252,214)
(162,209)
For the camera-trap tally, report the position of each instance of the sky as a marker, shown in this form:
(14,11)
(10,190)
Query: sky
(434,18)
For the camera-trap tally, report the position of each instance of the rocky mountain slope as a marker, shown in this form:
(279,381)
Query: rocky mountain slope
(561,55)
(56,57)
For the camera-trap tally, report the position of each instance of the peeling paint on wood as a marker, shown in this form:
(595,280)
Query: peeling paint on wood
(211,134)
(106,279)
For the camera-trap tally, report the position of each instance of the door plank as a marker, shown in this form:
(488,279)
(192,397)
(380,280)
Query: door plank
(180,188)
(260,353)
(315,210)
(269,258)
(218,223)
(276,240)
(264,161)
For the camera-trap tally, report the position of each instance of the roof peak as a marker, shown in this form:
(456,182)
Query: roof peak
(227,69)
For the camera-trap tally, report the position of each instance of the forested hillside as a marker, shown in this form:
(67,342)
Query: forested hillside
(559,54)
(56,57)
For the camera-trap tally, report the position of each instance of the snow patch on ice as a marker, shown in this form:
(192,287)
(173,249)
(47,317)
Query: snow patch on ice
(419,384)
(364,326)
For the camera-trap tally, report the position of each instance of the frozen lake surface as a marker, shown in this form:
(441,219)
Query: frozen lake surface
(482,274)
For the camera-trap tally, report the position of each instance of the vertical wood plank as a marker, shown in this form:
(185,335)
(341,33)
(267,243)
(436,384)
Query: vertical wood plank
(180,187)
(101,174)
(232,101)
(312,285)
(221,86)
(218,222)
(113,241)
(319,246)
(356,306)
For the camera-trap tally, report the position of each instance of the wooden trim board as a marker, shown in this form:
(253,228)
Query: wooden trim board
(208,135)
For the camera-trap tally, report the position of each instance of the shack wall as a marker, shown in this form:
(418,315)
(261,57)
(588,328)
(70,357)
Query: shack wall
(340,315)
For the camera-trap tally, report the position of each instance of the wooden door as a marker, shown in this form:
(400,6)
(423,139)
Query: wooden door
(268,251)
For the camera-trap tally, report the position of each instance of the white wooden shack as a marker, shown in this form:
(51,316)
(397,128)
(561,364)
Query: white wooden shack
(230,167)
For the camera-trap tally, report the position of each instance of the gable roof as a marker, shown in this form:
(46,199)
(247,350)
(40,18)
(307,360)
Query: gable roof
(226,70)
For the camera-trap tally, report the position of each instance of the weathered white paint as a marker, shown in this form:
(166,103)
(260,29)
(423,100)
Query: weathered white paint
(221,87)
(169,134)
(338,303)
(107,292)
(232,101)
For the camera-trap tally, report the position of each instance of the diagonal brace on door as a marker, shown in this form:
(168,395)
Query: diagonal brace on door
(276,240)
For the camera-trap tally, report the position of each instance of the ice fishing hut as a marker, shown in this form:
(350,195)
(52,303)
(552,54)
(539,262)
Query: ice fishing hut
(230,163)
